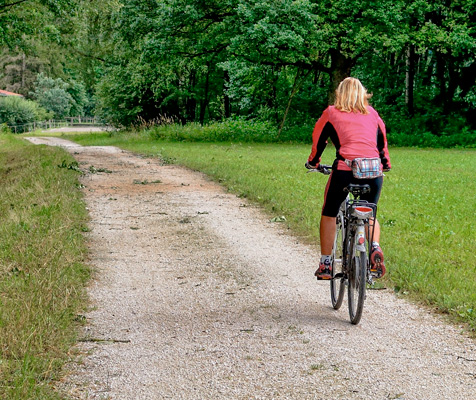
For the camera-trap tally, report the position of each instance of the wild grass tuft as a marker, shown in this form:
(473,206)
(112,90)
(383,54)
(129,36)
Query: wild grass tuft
(42,276)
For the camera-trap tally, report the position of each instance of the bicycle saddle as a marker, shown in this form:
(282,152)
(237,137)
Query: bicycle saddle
(357,189)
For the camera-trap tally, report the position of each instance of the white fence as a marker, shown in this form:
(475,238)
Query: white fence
(83,120)
(71,121)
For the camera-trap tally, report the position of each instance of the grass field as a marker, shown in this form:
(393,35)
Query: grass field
(427,209)
(42,276)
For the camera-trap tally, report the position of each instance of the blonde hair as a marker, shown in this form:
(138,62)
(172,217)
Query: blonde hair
(351,96)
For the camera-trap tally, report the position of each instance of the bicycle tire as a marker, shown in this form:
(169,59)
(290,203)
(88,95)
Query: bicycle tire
(338,284)
(357,283)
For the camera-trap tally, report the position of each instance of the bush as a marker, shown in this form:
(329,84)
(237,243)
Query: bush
(54,96)
(427,139)
(4,129)
(297,134)
(434,130)
(16,112)
(464,138)
(230,131)
(239,130)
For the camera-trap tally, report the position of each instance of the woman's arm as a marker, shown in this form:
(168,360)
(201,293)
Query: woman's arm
(322,131)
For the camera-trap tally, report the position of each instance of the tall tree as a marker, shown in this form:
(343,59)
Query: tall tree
(24,19)
(201,60)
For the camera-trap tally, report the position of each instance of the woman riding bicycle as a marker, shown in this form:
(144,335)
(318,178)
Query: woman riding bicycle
(357,131)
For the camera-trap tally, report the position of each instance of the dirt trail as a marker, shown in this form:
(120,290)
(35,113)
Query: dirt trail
(199,296)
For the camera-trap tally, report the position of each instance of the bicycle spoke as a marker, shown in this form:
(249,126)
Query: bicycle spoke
(338,283)
(357,285)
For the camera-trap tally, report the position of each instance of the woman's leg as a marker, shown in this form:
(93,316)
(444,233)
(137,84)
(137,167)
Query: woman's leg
(377,265)
(327,234)
(376,232)
(333,197)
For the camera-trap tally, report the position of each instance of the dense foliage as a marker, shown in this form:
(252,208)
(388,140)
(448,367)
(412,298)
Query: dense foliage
(201,61)
(59,97)
(18,112)
(36,56)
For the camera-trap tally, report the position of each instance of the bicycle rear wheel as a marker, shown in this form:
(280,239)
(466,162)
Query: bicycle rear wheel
(338,283)
(357,283)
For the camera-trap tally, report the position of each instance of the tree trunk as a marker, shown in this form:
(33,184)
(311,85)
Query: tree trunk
(191,104)
(468,79)
(273,104)
(23,70)
(428,72)
(410,79)
(226,98)
(453,77)
(440,77)
(204,102)
(341,66)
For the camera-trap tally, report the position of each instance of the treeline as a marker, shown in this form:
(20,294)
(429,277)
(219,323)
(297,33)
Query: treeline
(36,62)
(262,60)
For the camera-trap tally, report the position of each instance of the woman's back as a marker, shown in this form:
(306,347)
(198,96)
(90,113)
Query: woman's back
(356,133)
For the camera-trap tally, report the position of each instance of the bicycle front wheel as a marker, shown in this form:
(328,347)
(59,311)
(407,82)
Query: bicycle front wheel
(338,278)
(357,283)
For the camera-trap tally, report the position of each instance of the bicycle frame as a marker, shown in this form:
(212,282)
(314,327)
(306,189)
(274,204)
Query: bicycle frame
(359,222)
(356,220)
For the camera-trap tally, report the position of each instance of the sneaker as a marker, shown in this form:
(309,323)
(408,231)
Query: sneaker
(324,272)
(377,267)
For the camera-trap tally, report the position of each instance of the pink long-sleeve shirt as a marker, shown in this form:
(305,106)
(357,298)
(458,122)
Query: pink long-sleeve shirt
(354,135)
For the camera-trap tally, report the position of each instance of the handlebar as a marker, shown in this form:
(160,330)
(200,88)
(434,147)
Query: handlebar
(323,169)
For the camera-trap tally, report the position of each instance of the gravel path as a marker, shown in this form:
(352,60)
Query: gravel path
(199,296)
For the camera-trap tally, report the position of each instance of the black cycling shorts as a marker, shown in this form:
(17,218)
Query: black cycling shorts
(335,195)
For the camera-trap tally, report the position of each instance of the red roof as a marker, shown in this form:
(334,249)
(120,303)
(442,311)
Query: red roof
(6,93)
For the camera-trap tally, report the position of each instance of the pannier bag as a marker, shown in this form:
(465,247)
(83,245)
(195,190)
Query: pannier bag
(365,168)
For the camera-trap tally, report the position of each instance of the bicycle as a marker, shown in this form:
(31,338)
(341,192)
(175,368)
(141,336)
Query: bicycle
(351,250)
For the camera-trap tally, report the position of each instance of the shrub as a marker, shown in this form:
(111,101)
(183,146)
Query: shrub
(16,112)
(297,134)
(429,130)
(4,129)
(464,138)
(240,130)
(230,130)
(54,96)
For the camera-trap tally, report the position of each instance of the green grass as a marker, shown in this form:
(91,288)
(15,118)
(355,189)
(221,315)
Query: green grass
(42,276)
(427,208)
(430,214)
